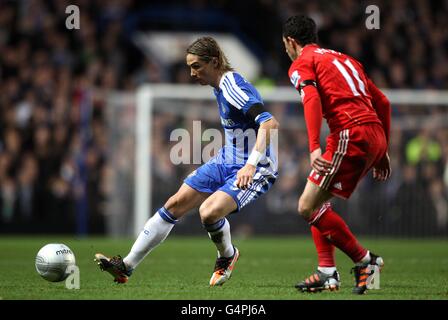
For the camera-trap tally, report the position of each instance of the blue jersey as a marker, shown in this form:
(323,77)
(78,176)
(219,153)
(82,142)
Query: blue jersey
(235,97)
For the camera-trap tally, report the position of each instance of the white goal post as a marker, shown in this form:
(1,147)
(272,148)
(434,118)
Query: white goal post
(147,94)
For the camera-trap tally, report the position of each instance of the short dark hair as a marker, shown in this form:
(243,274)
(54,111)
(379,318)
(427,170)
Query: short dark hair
(301,28)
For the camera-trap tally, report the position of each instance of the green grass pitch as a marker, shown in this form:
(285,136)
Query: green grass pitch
(180,269)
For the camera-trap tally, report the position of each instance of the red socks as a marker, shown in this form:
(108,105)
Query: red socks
(332,230)
(325,250)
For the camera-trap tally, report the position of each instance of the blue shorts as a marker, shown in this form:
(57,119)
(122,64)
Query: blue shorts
(213,176)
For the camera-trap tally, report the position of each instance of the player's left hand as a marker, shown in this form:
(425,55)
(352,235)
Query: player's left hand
(244,176)
(382,170)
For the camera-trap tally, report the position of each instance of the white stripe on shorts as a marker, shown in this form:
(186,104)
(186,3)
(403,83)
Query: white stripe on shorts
(337,158)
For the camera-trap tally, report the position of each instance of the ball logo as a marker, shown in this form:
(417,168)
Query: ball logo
(63,251)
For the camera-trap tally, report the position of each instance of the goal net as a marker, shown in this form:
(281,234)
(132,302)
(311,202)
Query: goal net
(161,133)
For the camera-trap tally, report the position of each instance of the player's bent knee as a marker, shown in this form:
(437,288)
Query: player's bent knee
(209,213)
(304,208)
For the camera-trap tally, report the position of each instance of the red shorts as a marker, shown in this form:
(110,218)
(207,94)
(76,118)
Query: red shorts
(353,152)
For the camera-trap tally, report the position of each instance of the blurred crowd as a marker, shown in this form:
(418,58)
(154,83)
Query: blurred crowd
(59,173)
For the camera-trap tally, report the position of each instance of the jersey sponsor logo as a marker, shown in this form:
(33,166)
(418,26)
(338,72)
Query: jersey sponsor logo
(227,122)
(223,108)
(295,77)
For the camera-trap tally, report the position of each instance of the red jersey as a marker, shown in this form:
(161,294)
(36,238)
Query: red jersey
(344,89)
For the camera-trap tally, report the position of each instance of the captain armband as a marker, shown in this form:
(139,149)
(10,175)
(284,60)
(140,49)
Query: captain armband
(255,110)
(305,83)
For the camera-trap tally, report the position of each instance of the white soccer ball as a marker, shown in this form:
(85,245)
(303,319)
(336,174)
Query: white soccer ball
(53,260)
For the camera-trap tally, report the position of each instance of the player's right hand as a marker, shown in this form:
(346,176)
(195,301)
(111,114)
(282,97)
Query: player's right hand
(319,164)
(382,170)
(244,176)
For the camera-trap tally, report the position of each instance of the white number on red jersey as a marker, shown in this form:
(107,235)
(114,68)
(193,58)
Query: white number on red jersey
(349,78)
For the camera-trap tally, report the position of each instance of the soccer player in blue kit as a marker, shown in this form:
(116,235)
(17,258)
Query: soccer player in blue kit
(239,174)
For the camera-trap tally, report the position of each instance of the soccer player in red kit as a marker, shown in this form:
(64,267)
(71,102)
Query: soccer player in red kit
(334,86)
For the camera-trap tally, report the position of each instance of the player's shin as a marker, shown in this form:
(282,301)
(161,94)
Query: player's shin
(219,233)
(333,227)
(154,232)
(325,252)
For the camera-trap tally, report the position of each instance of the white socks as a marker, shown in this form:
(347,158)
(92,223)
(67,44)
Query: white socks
(327,270)
(330,270)
(157,229)
(155,232)
(364,261)
(219,233)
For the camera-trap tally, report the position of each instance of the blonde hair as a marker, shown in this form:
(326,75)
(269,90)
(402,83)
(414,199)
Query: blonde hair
(206,48)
